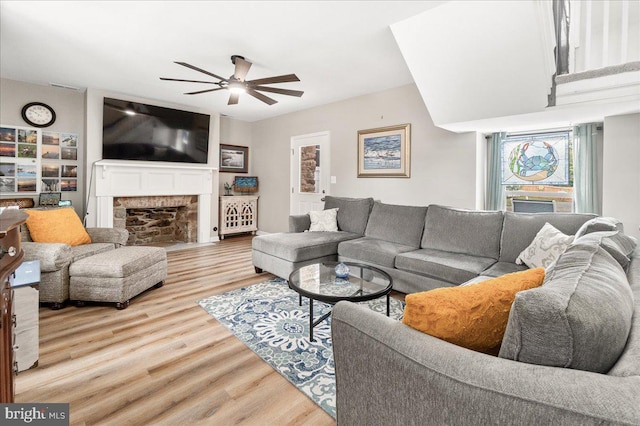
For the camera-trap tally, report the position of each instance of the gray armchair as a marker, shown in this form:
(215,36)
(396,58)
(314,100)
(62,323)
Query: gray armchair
(55,259)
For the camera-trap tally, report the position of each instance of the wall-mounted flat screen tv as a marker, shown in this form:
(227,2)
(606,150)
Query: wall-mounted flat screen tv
(135,131)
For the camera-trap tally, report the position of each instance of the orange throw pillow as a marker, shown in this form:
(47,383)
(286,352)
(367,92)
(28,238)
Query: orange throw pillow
(57,226)
(473,316)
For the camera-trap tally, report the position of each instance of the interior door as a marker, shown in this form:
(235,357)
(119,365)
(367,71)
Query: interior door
(310,172)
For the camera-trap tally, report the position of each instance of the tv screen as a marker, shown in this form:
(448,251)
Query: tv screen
(135,131)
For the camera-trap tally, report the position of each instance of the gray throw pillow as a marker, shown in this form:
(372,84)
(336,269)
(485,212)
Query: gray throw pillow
(580,318)
(617,244)
(598,224)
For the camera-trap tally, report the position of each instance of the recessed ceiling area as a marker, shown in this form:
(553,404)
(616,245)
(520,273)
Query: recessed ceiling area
(339,50)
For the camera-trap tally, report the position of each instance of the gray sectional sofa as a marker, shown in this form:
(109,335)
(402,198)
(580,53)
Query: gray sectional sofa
(571,351)
(421,248)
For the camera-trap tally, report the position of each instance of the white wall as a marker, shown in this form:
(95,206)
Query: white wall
(621,171)
(470,59)
(443,164)
(236,132)
(94,102)
(69,107)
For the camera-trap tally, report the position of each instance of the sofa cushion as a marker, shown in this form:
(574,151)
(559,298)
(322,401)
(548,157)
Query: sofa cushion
(546,247)
(300,246)
(57,226)
(324,221)
(463,231)
(501,268)
(353,213)
(473,316)
(519,229)
(598,224)
(617,244)
(396,224)
(451,267)
(121,263)
(86,250)
(371,250)
(580,318)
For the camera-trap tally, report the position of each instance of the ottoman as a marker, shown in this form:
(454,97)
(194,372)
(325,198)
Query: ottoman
(117,275)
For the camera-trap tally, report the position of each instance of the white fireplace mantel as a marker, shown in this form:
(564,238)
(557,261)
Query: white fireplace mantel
(139,179)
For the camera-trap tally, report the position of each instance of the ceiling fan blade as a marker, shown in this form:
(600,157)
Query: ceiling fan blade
(233,99)
(263,98)
(278,79)
(188,81)
(204,91)
(242,68)
(297,93)
(184,64)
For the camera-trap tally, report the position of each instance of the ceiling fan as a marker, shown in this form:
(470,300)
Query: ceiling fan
(237,84)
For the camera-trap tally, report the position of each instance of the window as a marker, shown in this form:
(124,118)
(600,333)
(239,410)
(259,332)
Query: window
(538,166)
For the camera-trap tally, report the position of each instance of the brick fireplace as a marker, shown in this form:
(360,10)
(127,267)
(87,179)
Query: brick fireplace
(157,219)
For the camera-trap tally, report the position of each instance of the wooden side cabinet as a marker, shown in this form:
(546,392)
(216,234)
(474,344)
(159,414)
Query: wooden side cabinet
(238,213)
(12,255)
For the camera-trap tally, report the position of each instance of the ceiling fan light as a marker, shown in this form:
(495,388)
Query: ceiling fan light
(237,87)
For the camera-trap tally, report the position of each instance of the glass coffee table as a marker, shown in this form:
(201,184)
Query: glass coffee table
(318,281)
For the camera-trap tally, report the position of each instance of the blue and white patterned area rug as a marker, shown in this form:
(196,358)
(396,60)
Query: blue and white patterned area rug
(268,319)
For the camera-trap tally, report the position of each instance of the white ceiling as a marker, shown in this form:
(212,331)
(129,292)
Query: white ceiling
(338,49)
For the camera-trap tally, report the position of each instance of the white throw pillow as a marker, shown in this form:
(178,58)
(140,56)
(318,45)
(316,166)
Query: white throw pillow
(545,248)
(324,220)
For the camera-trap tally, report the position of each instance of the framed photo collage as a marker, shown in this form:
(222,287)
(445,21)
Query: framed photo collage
(36,160)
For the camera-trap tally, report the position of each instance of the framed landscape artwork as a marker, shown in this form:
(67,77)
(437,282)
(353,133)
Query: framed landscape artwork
(385,152)
(245,184)
(234,158)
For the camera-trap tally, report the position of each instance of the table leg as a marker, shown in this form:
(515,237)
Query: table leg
(310,319)
(299,300)
(388,296)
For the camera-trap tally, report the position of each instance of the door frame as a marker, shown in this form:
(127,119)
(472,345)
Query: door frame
(325,176)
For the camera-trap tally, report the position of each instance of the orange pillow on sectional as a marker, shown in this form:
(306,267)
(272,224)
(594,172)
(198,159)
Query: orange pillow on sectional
(473,316)
(57,226)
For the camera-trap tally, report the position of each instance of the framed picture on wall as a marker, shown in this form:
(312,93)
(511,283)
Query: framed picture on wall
(385,152)
(49,198)
(234,158)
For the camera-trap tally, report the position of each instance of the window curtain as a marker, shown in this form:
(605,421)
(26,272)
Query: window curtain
(495,199)
(585,168)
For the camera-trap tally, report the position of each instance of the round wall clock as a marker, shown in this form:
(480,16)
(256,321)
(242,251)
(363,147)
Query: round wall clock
(38,114)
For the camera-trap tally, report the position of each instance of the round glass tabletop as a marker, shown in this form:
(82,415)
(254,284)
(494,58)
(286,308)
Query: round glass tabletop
(319,281)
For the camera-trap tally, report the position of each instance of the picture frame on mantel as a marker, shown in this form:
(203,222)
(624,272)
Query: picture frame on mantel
(385,152)
(234,159)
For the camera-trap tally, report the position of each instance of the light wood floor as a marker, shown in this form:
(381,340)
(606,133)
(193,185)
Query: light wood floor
(164,360)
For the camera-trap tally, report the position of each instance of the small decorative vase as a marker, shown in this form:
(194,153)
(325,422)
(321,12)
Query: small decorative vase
(342,270)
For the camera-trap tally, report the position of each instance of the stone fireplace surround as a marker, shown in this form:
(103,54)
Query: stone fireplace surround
(157,219)
(115,179)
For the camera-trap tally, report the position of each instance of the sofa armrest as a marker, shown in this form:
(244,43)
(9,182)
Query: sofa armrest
(389,373)
(299,223)
(117,236)
(52,256)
